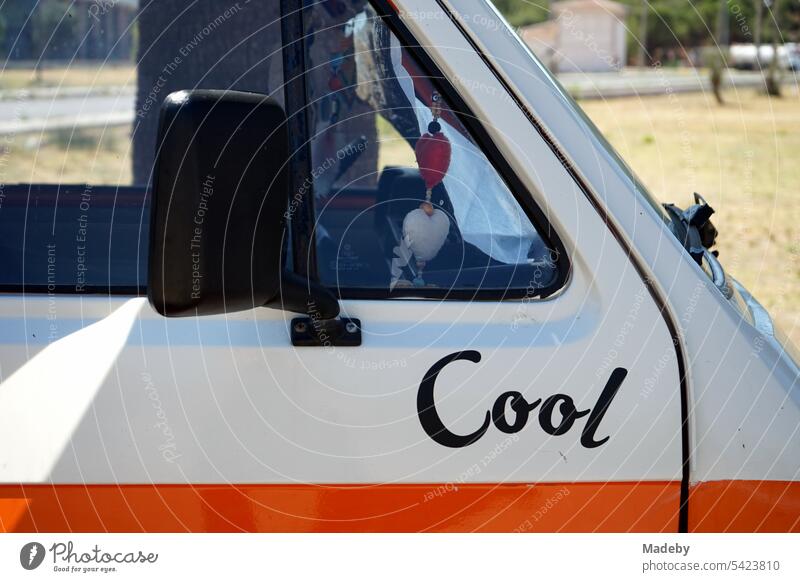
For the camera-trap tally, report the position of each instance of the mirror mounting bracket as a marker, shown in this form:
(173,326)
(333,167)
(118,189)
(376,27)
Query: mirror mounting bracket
(338,331)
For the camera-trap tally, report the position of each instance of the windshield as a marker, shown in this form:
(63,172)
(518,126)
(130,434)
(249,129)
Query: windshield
(513,57)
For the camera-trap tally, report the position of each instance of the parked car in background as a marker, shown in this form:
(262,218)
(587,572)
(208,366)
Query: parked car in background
(745,56)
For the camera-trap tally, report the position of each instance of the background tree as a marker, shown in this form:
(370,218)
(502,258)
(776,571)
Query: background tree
(206,44)
(51,33)
(2,33)
(16,40)
(759,11)
(771,80)
(644,11)
(524,12)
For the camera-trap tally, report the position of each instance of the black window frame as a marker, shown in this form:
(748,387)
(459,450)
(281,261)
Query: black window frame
(300,167)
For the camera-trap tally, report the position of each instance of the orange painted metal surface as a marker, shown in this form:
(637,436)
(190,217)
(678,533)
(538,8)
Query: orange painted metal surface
(567,507)
(745,506)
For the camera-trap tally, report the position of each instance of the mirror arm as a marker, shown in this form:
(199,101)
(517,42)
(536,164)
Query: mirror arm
(301,295)
(322,326)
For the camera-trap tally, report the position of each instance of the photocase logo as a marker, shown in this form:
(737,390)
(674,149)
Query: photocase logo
(31,555)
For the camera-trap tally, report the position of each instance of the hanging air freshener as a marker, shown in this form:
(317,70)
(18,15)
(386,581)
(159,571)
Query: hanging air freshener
(425,229)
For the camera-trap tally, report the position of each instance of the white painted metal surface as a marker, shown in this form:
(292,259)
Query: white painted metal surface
(744,389)
(117,394)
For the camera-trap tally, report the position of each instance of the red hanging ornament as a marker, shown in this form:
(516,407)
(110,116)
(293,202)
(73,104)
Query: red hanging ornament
(433,154)
(335,83)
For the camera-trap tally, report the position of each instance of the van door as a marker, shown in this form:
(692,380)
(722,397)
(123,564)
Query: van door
(515,372)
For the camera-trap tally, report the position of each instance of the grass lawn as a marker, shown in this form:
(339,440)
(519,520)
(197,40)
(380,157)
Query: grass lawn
(744,158)
(85,156)
(76,75)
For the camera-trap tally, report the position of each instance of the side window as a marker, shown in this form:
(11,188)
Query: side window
(406,201)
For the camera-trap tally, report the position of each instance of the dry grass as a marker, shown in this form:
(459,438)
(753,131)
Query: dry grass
(744,159)
(85,156)
(77,75)
(393,148)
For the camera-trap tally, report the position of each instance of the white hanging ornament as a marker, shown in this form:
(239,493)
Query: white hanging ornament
(425,230)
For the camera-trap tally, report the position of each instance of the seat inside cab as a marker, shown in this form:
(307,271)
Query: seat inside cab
(363,227)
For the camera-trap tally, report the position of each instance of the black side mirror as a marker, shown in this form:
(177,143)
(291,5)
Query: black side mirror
(220,192)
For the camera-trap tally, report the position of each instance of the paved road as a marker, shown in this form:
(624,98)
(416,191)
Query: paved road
(631,82)
(49,109)
(19,113)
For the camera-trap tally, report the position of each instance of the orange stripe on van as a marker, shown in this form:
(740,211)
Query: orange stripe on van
(745,506)
(568,507)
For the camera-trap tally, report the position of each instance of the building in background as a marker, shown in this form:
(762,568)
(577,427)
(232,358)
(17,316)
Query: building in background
(581,35)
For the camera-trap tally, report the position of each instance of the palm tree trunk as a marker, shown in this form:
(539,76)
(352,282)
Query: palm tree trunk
(772,80)
(641,59)
(206,44)
(757,32)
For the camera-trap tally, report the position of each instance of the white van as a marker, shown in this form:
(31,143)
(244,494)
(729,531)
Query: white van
(413,290)
(746,56)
